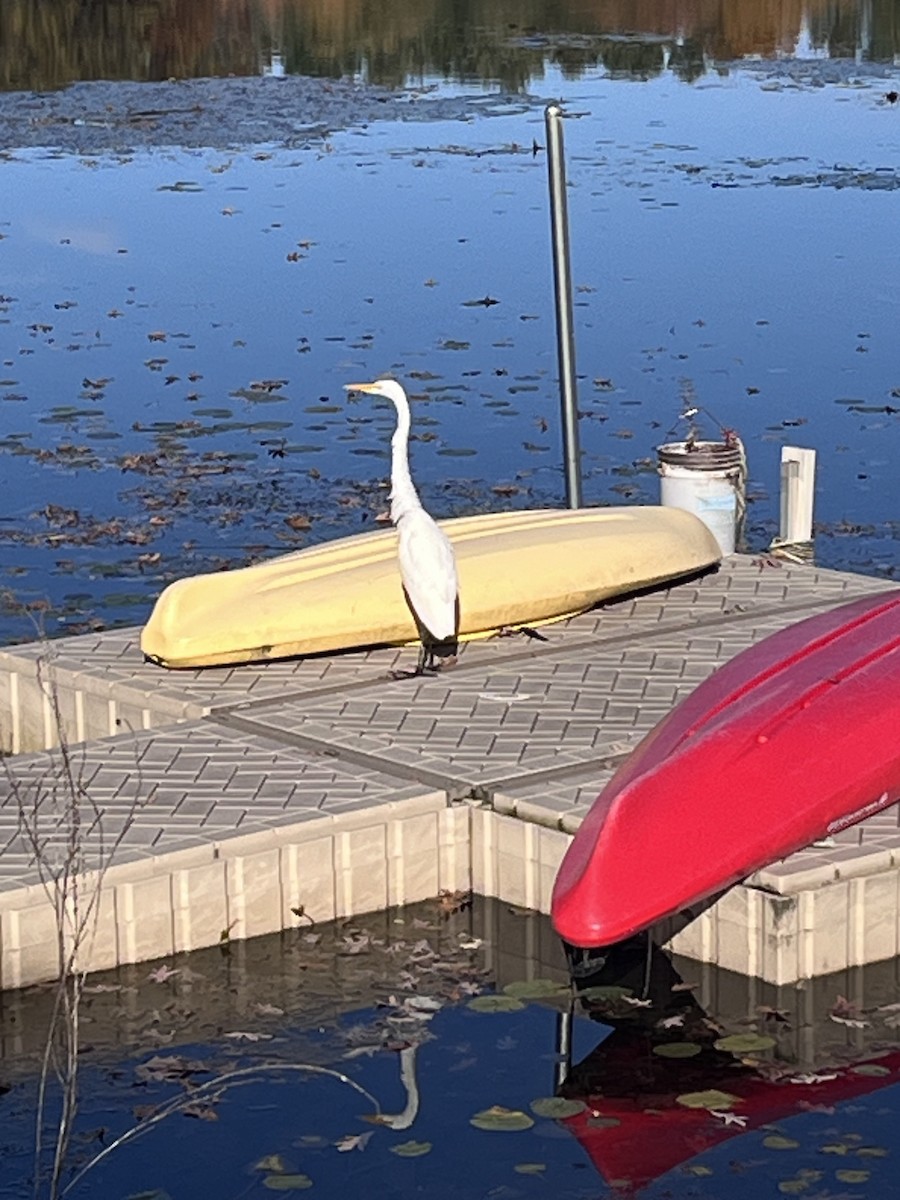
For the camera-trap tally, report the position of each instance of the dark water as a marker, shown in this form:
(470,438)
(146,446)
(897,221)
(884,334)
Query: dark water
(177,325)
(400,1004)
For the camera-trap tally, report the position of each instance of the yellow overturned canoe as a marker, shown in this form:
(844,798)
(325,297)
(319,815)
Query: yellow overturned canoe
(515,568)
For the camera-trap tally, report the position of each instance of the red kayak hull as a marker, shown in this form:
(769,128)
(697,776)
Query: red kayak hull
(792,740)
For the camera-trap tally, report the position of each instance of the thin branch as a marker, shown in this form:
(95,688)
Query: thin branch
(212,1086)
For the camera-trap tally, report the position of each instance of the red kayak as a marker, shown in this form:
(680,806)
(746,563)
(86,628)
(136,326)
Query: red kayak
(792,740)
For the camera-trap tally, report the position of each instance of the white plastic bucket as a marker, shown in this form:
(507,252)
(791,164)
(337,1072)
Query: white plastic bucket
(707,479)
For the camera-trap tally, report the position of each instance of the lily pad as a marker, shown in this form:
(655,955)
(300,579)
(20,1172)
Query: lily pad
(556,1107)
(850,1176)
(605,993)
(777,1141)
(502,1120)
(529,1168)
(677,1049)
(535,989)
(495,1004)
(745,1043)
(411,1149)
(871,1069)
(712,1098)
(287,1183)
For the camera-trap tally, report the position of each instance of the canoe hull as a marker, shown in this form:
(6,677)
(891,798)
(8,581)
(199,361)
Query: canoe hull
(515,568)
(793,740)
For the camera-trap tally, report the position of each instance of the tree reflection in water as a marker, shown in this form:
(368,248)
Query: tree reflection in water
(50,43)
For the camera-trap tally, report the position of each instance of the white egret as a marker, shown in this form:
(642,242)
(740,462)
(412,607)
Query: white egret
(427,561)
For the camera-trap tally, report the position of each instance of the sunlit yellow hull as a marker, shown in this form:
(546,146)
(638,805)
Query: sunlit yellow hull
(515,568)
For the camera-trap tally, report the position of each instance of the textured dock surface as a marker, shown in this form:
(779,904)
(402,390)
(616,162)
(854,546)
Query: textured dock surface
(226,798)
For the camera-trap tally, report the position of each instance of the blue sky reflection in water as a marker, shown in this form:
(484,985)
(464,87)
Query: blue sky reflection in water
(356,998)
(732,247)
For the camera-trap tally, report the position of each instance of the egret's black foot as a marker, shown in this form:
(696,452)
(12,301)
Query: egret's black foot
(417,673)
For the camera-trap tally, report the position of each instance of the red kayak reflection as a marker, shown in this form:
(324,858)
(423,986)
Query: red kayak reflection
(633,1127)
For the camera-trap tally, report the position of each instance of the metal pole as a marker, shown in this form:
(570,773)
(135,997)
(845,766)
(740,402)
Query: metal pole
(565,339)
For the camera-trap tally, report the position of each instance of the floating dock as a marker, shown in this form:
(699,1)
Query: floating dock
(235,798)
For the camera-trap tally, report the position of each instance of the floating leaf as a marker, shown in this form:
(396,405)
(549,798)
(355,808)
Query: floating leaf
(529,1168)
(181,185)
(501,1119)
(272,1162)
(872,1152)
(495,1004)
(711,1098)
(411,1149)
(871,1069)
(605,992)
(777,1141)
(745,1043)
(698,1169)
(793,1187)
(535,989)
(677,1049)
(287,1183)
(850,1176)
(556,1107)
(354,1141)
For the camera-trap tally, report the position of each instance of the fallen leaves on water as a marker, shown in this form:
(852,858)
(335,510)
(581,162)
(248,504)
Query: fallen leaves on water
(535,989)
(852,1176)
(556,1108)
(873,1070)
(845,1012)
(711,1098)
(777,1141)
(745,1043)
(169,1069)
(287,1183)
(502,1120)
(454,902)
(354,1141)
(495,1004)
(298,522)
(411,1149)
(778,1015)
(273,1163)
(162,974)
(677,1049)
(200,1111)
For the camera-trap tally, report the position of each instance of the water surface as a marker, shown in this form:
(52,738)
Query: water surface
(178,324)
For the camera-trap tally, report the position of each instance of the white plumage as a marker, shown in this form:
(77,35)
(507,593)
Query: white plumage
(427,561)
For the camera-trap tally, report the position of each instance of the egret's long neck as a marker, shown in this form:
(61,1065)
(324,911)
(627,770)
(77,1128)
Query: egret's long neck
(404,497)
